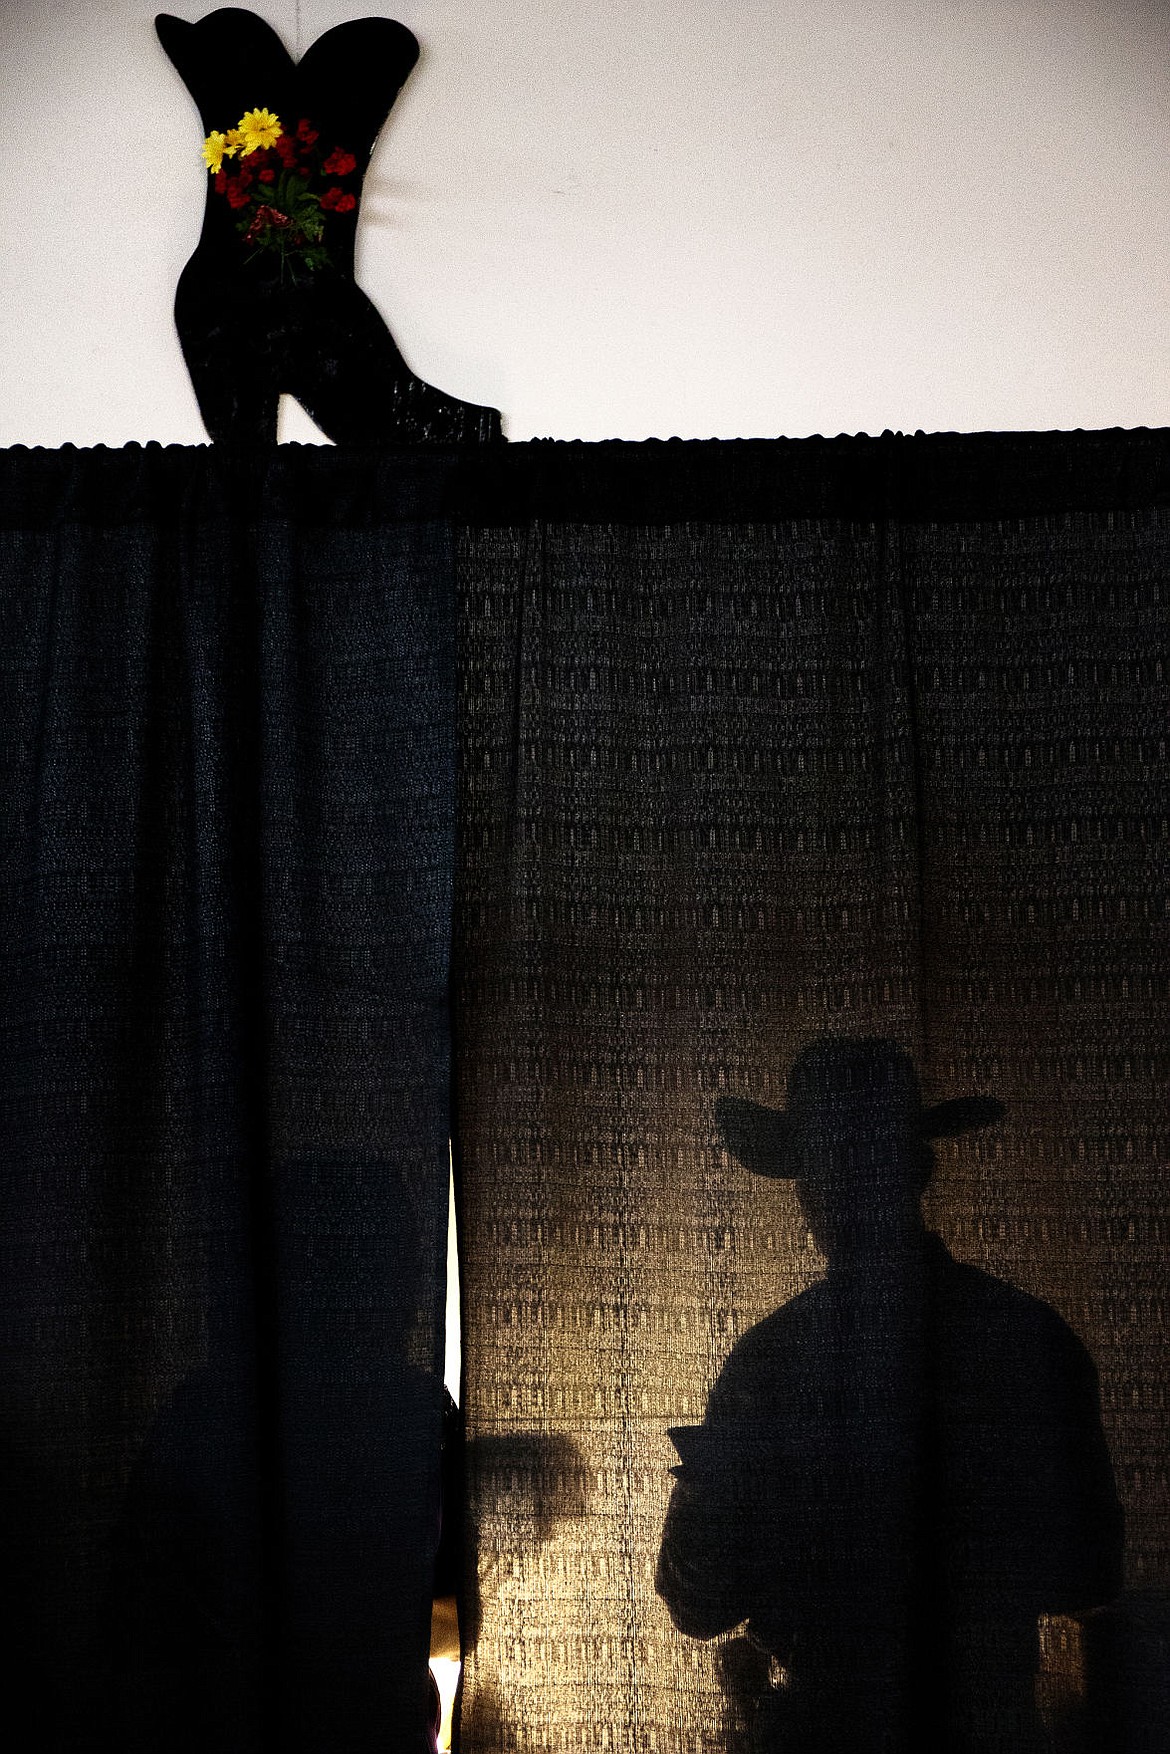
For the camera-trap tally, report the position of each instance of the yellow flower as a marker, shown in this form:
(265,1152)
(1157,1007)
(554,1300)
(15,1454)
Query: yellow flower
(259,128)
(216,148)
(235,140)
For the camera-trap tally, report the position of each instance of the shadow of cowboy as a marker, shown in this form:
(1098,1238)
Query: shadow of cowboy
(901,1469)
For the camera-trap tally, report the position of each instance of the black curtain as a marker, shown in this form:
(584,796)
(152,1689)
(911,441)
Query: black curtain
(229,785)
(803,810)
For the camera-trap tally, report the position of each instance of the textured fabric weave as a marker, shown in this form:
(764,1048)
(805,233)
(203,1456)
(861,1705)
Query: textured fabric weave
(228,770)
(767,748)
(799,792)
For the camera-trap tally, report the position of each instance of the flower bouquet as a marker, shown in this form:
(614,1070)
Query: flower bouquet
(282,185)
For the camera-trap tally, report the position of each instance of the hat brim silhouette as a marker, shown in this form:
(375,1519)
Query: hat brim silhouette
(765,1140)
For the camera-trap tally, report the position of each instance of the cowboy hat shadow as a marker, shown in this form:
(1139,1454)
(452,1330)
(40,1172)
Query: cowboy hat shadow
(900,1470)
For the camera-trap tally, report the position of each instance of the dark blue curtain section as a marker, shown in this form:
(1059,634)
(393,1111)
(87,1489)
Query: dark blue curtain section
(228,782)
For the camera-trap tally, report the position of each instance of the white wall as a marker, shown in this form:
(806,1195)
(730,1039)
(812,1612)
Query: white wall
(702,217)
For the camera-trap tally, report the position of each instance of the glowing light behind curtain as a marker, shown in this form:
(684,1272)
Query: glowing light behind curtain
(762,744)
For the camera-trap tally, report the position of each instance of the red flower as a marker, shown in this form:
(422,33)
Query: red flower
(305,131)
(236,194)
(267,175)
(337,201)
(339,163)
(266,217)
(286,151)
(221,182)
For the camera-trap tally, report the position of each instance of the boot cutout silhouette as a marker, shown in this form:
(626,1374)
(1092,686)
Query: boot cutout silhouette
(268,301)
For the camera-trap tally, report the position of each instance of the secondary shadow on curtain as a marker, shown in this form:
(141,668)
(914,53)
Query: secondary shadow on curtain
(765,745)
(545,1481)
(229,764)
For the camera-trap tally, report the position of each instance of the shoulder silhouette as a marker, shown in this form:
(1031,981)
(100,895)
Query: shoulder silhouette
(901,1469)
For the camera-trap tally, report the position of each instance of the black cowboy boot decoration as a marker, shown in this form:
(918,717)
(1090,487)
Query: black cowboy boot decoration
(268,301)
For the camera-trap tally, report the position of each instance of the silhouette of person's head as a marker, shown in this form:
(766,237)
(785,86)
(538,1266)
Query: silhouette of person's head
(855,1137)
(901,1468)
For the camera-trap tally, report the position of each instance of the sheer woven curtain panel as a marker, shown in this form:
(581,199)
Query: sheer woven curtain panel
(829,778)
(753,855)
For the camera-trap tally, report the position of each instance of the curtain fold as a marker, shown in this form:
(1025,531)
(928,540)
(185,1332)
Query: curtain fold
(229,765)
